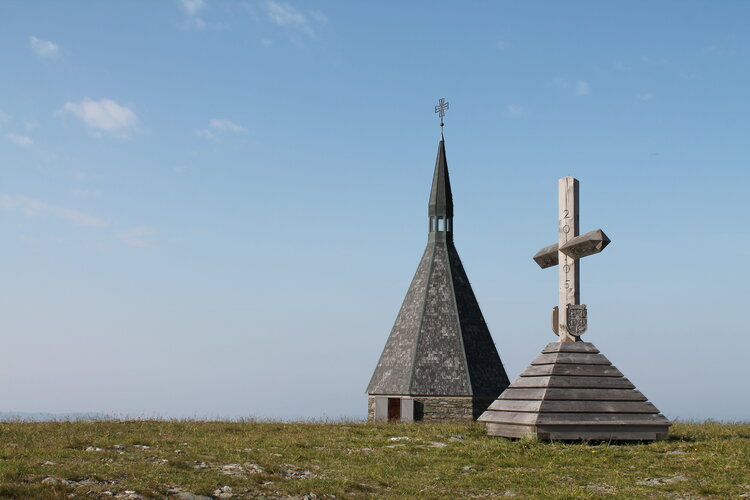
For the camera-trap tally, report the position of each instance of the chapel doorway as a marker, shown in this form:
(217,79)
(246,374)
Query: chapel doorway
(394,409)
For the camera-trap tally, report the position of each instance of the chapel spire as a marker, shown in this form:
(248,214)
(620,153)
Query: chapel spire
(440,207)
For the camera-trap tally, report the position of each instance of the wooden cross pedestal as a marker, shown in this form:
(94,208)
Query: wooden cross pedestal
(571,391)
(569,319)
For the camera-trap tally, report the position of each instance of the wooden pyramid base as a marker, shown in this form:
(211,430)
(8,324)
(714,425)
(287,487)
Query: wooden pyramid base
(571,392)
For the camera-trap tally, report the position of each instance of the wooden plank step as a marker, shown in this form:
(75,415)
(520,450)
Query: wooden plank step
(571,358)
(591,418)
(509,417)
(600,432)
(509,430)
(570,347)
(598,407)
(583,370)
(573,406)
(580,432)
(515,405)
(574,419)
(573,382)
(574,394)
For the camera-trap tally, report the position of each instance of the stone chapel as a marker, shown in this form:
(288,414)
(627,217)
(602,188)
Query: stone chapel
(439,362)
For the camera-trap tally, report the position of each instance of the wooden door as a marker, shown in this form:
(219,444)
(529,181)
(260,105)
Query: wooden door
(394,409)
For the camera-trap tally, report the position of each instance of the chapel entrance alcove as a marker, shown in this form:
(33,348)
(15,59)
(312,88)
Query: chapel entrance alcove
(394,409)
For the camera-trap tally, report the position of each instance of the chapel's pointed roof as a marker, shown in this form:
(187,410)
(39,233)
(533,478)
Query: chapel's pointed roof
(441,199)
(440,344)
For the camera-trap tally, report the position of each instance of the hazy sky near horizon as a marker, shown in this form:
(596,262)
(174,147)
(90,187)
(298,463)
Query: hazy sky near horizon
(214,208)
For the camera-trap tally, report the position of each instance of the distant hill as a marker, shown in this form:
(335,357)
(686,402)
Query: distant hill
(51,417)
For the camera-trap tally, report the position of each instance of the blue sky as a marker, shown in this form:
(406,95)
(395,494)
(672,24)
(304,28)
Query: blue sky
(214,208)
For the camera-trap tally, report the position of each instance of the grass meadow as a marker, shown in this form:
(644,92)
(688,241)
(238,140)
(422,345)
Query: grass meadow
(197,460)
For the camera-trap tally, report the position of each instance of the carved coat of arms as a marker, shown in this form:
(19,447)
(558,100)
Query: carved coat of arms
(576,320)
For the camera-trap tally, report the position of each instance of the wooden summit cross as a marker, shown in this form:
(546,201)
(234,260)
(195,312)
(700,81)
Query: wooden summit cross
(571,391)
(569,319)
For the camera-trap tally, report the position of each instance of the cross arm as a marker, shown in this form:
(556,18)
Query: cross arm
(580,246)
(547,256)
(586,244)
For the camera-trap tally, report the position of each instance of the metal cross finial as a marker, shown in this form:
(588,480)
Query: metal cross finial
(440,109)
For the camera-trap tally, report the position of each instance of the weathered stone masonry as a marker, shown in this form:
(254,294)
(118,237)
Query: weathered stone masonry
(437,409)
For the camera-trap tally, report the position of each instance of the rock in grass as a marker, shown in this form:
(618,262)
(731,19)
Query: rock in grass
(232,469)
(253,468)
(658,481)
(293,472)
(191,496)
(130,495)
(676,452)
(224,492)
(600,488)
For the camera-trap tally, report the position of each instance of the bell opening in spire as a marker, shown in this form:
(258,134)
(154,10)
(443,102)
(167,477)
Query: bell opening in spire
(440,207)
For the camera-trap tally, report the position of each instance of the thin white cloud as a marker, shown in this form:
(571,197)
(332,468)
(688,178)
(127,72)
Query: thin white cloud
(20,140)
(582,88)
(219,125)
(139,237)
(30,124)
(192,6)
(191,9)
(644,96)
(195,22)
(43,48)
(620,66)
(4,117)
(502,45)
(284,14)
(222,124)
(103,115)
(579,88)
(266,42)
(35,208)
(205,133)
(318,16)
(288,16)
(80,175)
(515,111)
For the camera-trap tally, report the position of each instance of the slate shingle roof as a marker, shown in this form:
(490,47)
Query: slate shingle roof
(439,344)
